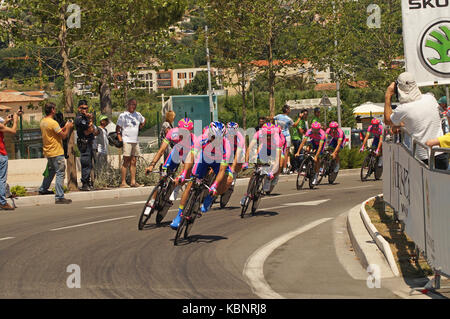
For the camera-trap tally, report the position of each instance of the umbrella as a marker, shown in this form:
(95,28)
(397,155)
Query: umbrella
(369,108)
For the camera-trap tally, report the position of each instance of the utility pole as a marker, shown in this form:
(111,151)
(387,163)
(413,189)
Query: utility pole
(209,75)
(336,72)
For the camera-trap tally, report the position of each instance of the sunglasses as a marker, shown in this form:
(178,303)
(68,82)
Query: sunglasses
(84,108)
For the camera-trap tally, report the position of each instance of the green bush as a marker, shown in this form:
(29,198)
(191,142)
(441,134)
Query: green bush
(351,158)
(18,190)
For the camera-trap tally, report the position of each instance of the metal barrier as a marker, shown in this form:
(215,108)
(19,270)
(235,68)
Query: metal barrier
(420,196)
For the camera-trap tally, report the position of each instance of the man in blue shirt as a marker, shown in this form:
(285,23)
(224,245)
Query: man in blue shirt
(285,122)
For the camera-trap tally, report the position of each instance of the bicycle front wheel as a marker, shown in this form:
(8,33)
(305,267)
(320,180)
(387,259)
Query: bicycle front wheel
(148,210)
(365,168)
(302,174)
(225,198)
(332,175)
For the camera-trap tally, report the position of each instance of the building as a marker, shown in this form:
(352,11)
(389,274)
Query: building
(12,101)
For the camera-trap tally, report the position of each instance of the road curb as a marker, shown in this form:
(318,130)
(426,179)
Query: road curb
(382,244)
(364,245)
(117,193)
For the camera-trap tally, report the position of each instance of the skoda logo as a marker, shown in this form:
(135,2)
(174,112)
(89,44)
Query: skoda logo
(434,47)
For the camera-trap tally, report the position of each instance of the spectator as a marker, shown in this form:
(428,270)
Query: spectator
(4,205)
(316,116)
(443,113)
(442,141)
(52,137)
(86,132)
(127,129)
(285,122)
(261,122)
(101,139)
(418,113)
(166,126)
(297,132)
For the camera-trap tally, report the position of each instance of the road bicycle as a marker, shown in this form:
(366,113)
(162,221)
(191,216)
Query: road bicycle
(370,165)
(191,210)
(327,168)
(255,188)
(306,171)
(161,205)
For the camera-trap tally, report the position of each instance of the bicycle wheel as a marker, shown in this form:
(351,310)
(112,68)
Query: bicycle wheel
(195,206)
(365,168)
(301,174)
(378,170)
(166,203)
(332,174)
(310,172)
(147,211)
(322,171)
(258,193)
(225,198)
(247,198)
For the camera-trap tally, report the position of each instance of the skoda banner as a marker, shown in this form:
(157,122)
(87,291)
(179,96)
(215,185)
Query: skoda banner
(426,36)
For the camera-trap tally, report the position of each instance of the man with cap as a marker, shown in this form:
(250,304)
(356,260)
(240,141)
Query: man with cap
(443,112)
(86,132)
(101,155)
(418,113)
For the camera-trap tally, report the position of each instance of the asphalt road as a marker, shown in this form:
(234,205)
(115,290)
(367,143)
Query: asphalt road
(223,259)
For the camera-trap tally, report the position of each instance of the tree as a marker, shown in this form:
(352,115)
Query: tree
(273,31)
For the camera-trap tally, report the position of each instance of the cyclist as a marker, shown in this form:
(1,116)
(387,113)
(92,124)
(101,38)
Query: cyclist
(237,142)
(211,150)
(183,140)
(269,148)
(316,138)
(377,131)
(336,142)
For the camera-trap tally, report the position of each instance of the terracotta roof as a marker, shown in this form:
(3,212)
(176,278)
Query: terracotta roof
(325,87)
(260,63)
(332,86)
(8,91)
(8,97)
(34,93)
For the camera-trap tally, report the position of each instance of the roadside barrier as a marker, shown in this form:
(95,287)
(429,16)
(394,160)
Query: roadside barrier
(420,196)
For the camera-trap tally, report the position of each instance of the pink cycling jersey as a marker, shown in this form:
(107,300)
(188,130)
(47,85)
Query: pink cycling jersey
(315,138)
(376,131)
(177,136)
(337,134)
(274,140)
(213,151)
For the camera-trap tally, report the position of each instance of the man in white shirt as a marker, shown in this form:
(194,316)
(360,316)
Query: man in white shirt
(418,113)
(127,128)
(101,142)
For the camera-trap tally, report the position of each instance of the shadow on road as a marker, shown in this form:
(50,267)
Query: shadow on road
(208,239)
(154,226)
(263,213)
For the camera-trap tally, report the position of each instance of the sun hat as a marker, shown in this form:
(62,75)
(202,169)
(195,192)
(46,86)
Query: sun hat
(408,91)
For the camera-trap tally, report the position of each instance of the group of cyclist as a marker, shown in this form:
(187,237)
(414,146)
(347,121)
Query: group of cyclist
(220,151)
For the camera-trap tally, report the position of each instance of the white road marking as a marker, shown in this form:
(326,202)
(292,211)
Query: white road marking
(6,238)
(278,196)
(310,203)
(124,204)
(253,269)
(91,223)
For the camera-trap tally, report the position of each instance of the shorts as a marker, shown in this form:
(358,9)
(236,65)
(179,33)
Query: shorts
(131,149)
(174,160)
(315,146)
(288,141)
(201,167)
(333,143)
(266,155)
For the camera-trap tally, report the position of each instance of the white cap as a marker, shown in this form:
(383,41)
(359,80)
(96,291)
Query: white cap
(408,91)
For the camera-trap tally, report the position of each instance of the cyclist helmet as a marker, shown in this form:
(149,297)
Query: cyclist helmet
(217,129)
(316,126)
(232,126)
(186,123)
(334,124)
(268,128)
(375,122)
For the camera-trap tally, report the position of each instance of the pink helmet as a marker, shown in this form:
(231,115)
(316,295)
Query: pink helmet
(186,123)
(334,124)
(375,122)
(269,128)
(316,126)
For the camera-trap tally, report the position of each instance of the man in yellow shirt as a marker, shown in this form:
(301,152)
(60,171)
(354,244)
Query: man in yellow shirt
(52,136)
(441,141)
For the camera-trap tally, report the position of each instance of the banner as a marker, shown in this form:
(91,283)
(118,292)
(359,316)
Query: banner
(426,39)
(348,136)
